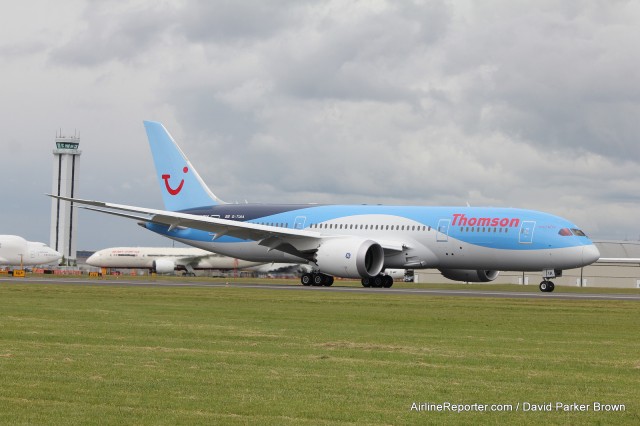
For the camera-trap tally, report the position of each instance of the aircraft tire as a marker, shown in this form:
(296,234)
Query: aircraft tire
(552,287)
(544,286)
(366,282)
(377,281)
(328,281)
(387,281)
(305,279)
(318,279)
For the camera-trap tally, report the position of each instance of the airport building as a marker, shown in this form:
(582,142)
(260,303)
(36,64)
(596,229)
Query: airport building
(66,167)
(619,272)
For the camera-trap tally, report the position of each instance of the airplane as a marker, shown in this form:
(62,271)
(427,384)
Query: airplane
(164,259)
(281,268)
(469,244)
(15,250)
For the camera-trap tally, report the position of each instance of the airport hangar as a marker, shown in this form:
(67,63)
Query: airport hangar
(622,274)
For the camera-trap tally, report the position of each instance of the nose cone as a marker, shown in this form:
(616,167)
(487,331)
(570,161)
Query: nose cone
(56,254)
(590,254)
(93,259)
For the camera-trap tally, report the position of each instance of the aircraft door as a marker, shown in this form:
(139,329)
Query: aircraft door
(443,230)
(299,222)
(526,232)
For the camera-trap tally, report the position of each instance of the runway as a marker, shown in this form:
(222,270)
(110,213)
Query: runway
(398,291)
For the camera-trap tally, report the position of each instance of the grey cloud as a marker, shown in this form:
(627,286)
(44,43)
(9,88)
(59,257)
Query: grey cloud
(116,33)
(110,33)
(557,79)
(223,21)
(335,58)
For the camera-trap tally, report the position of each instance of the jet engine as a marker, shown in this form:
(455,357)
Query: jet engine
(470,275)
(163,266)
(350,257)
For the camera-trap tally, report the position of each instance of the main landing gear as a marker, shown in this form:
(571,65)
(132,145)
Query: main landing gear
(316,279)
(378,281)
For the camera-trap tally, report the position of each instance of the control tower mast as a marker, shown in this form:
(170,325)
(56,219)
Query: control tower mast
(66,166)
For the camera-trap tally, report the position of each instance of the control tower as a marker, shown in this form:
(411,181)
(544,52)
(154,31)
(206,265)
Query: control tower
(66,167)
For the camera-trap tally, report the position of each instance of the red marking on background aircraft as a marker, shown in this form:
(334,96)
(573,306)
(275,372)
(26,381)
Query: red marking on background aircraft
(179,188)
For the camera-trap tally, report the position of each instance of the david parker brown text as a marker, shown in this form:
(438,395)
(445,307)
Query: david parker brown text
(520,406)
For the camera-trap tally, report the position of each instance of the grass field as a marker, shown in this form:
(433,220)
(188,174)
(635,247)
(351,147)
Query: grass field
(114,355)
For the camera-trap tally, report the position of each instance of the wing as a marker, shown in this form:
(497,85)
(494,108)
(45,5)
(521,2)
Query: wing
(618,260)
(299,242)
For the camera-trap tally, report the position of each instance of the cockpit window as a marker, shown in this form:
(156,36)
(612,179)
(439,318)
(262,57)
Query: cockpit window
(566,232)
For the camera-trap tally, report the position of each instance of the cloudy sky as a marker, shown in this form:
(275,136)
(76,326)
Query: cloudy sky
(496,103)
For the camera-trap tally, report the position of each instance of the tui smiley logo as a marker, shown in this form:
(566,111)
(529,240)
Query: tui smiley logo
(177,190)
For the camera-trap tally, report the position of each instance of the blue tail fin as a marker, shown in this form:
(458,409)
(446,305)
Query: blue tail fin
(181,186)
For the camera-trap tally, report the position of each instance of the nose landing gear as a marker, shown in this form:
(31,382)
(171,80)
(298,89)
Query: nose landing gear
(546,285)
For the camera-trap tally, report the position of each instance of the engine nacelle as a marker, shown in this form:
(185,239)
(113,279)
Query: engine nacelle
(163,266)
(470,275)
(350,257)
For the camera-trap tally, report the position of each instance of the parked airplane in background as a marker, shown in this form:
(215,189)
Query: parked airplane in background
(354,241)
(165,259)
(16,251)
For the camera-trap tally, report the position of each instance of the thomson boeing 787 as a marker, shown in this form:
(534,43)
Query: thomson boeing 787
(354,241)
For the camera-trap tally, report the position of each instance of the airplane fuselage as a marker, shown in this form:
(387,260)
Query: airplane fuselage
(433,237)
(147,257)
(16,251)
